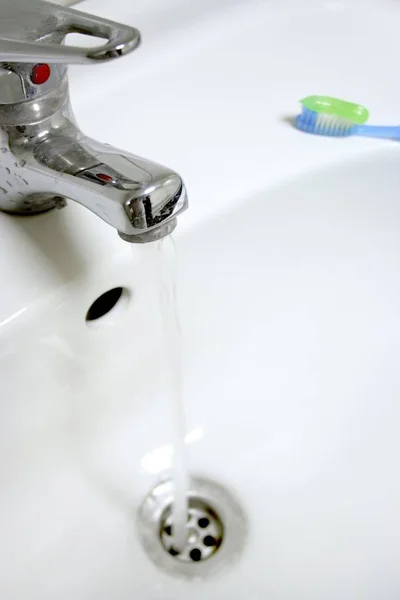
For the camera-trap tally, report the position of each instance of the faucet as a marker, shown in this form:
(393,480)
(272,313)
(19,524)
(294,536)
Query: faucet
(45,159)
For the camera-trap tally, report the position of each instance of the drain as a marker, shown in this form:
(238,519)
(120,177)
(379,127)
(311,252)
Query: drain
(204,532)
(216,529)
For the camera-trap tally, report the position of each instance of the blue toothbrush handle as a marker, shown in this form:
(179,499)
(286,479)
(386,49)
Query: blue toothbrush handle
(378,131)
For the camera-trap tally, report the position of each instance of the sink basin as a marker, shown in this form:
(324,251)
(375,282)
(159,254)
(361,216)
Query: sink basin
(290,315)
(287,268)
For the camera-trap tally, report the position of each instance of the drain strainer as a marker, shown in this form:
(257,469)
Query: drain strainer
(216,529)
(204,532)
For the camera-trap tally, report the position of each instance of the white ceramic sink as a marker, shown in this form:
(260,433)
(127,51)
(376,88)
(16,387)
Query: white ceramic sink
(291,324)
(289,298)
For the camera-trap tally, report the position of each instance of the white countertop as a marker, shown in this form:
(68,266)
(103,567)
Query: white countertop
(207,94)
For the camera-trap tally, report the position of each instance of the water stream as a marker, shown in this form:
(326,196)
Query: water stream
(172,338)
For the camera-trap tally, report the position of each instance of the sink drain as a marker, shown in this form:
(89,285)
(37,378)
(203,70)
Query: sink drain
(204,532)
(216,529)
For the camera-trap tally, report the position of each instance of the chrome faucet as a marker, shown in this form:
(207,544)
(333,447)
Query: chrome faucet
(44,157)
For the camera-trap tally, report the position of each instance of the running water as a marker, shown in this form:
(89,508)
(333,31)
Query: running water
(172,336)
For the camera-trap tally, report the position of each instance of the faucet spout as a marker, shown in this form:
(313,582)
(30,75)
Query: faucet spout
(139,198)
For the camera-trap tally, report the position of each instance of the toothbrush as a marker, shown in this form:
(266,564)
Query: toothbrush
(323,115)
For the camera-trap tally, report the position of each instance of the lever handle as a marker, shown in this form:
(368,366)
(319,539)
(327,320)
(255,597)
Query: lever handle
(31,31)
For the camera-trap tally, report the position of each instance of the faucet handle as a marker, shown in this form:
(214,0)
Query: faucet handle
(32,31)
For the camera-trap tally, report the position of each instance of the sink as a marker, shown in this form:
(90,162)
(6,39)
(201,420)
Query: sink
(291,328)
(287,266)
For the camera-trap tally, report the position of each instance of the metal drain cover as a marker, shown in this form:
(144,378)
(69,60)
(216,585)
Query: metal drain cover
(204,532)
(216,528)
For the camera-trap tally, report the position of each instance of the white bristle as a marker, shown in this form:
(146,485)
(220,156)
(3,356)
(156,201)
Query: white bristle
(330,124)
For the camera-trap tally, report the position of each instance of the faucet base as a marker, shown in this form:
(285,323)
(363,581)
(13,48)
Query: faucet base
(32,205)
(150,236)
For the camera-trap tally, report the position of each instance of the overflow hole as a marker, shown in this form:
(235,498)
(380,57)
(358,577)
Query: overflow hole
(106,305)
